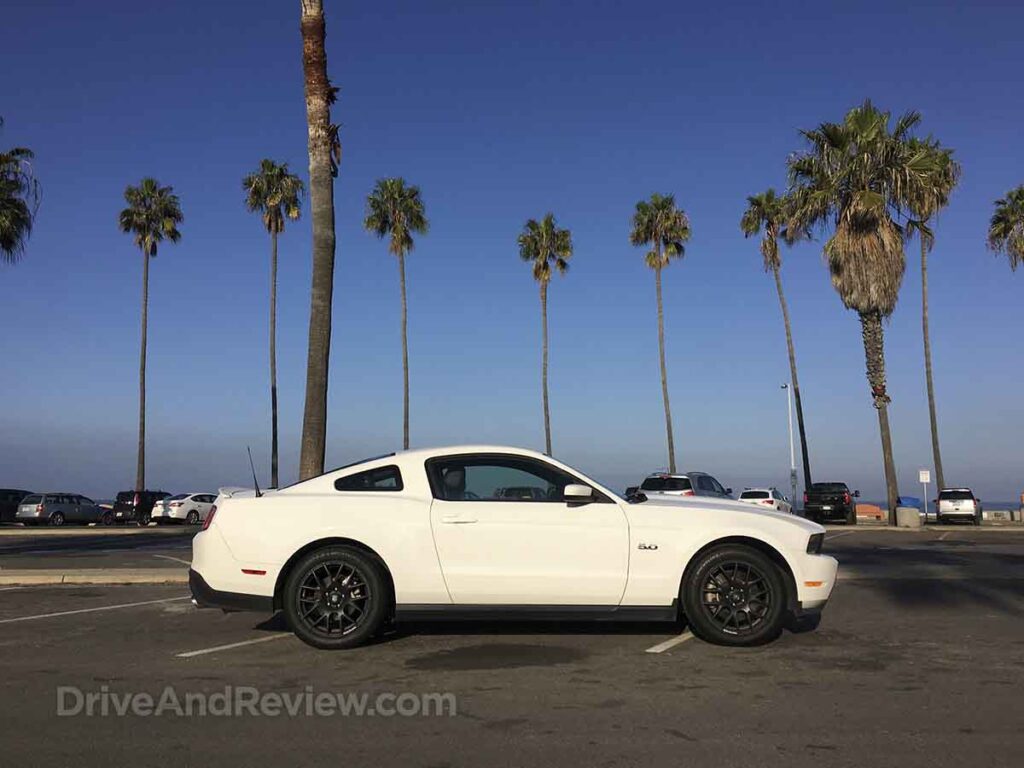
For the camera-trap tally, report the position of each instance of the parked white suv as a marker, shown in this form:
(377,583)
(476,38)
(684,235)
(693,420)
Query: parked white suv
(766,498)
(958,504)
(188,508)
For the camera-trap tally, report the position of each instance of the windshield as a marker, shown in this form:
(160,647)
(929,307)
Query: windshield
(956,496)
(666,484)
(754,495)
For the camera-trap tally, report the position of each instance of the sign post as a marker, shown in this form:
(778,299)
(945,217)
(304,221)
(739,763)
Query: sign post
(925,476)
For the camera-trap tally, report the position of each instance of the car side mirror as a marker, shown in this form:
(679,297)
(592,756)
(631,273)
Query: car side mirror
(578,494)
(728,491)
(632,489)
(856,494)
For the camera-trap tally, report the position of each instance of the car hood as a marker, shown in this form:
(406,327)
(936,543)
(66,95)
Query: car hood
(728,507)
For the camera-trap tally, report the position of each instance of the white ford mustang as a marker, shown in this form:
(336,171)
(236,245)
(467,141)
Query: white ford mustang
(493,532)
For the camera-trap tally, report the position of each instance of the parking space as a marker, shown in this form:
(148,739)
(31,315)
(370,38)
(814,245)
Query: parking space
(919,670)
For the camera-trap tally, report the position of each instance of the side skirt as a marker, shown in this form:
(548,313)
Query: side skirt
(448,612)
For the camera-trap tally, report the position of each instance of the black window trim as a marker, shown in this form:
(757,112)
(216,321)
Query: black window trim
(399,486)
(434,480)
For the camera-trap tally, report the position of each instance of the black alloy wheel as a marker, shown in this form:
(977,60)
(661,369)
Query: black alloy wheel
(336,597)
(736,595)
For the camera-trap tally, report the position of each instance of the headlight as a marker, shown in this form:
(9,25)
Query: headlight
(814,543)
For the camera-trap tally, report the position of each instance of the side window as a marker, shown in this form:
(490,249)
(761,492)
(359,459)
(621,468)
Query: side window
(497,478)
(380,479)
(717,486)
(705,484)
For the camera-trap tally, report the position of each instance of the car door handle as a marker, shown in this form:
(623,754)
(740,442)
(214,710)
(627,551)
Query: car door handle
(457,518)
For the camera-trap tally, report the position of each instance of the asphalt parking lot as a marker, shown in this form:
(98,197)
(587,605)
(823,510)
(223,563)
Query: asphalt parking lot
(919,660)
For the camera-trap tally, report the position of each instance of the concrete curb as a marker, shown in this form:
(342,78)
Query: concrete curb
(930,528)
(27,577)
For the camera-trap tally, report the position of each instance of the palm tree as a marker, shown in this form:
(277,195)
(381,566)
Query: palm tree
(19,198)
(273,192)
(397,210)
(153,214)
(858,176)
(1006,230)
(324,156)
(659,224)
(932,197)
(548,248)
(768,212)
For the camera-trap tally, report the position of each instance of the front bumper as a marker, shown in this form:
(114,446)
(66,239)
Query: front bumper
(815,577)
(205,596)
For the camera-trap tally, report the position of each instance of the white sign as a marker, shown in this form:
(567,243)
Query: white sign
(924,476)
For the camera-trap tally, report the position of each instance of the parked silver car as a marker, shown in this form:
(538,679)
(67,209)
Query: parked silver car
(958,504)
(58,509)
(685,484)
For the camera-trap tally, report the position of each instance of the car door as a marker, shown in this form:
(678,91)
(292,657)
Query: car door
(505,535)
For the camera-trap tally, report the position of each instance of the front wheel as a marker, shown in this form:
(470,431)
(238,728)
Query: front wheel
(336,597)
(735,596)
(851,517)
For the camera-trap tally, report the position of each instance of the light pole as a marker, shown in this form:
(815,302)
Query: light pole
(792,451)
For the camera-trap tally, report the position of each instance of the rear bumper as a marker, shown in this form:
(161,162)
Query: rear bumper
(206,596)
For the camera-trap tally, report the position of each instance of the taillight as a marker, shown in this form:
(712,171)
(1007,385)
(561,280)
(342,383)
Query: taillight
(135,500)
(770,502)
(805,497)
(39,509)
(175,503)
(209,517)
(686,493)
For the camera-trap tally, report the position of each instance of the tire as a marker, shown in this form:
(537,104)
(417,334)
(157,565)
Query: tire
(734,565)
(56,519)
(310,612)
(851,517)
(192,518)
(107,519)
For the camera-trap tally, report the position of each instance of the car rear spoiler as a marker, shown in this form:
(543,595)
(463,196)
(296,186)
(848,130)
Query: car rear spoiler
(232,492)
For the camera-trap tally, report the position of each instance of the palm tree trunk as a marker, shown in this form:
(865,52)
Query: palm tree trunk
(405,355)
(140,469)
(874,355)
(793,378)
(273,359)
(936,455)
(321,193)
(664,374)
(544,364)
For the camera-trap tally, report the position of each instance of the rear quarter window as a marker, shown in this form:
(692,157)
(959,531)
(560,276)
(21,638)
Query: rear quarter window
(380,479)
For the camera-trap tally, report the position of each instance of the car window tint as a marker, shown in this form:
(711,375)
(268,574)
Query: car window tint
(956,496)
(32,500)
(754,495)
(380,479)
(704,483)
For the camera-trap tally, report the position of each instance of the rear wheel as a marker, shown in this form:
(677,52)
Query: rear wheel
(735,596)
(193,518)
(107,519)
(336,597)
(57,519)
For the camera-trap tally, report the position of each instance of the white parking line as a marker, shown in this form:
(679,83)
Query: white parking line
(91,610)
(943,536)
(837,535)
(175,559)
(9,589)
(229,646)
(670,643)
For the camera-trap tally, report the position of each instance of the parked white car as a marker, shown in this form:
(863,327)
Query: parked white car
(433,533)
(188,508)
(766,498)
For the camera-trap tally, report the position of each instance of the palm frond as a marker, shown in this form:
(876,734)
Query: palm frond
(546,246)
(395,208)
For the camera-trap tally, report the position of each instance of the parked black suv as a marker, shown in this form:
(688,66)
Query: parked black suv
(830,501)
(9,500)
(136,506)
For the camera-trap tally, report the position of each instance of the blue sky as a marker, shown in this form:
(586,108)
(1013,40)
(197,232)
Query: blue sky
(500,112)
